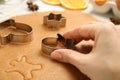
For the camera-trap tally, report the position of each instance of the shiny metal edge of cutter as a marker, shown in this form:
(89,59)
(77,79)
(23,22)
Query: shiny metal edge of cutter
(16,38)
(54,21)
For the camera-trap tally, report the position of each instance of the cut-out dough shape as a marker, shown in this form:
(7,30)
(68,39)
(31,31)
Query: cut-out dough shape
(24,67)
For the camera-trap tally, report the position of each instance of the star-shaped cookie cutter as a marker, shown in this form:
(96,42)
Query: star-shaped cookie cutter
(49,44)
(15,38)
(54,21)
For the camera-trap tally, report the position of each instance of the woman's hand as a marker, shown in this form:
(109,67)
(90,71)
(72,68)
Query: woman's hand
(103,61)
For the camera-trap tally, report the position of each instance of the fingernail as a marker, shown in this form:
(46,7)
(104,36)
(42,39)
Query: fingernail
(56,55)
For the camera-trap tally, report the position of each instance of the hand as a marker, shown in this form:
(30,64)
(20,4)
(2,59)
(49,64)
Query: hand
(103,61)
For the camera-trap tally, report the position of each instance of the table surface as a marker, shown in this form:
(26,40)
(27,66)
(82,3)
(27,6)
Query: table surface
(11,8)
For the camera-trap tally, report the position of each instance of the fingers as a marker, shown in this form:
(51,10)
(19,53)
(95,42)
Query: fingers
(86,32)
(69,56)
(85,46)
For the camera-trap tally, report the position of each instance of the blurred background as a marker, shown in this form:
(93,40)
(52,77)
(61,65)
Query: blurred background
(9,8)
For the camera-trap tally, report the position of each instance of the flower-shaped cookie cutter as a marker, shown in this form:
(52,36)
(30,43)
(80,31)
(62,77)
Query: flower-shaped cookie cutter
(49,44)
(54,21)
(109,5)
(15,38)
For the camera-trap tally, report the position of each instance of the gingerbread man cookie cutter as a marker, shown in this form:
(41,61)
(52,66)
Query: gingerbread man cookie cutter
(49,44)
(54,21)
(15,38)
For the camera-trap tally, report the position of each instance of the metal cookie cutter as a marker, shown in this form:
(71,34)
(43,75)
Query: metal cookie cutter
(12,37)
(50,44)
(54,21)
